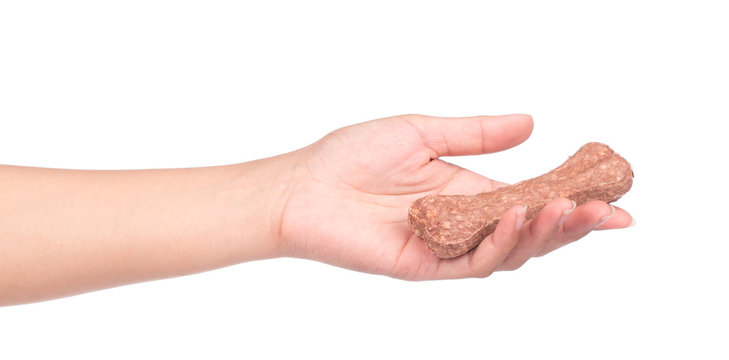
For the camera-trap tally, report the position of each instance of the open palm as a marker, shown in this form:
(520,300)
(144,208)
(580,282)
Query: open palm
(349,204)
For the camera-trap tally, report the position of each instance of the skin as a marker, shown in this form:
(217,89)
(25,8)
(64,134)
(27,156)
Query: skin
(342,200)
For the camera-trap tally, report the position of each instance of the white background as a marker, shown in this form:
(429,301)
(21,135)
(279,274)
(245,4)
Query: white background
(147,84)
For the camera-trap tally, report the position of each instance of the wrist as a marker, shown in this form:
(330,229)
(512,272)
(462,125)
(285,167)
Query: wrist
(261,191)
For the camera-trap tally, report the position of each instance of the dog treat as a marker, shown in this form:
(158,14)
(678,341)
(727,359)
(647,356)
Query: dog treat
(451,225)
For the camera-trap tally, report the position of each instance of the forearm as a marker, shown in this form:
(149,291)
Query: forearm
(67,231)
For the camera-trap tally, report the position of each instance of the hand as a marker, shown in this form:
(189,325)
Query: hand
(349,204)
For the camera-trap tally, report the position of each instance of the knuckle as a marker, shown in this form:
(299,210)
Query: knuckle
(482,274)
(511,267)
(413,117)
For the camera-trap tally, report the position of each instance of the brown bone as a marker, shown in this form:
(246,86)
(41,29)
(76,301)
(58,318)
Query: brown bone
(451,225)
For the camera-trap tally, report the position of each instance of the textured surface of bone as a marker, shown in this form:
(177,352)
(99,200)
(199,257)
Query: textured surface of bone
(451,225)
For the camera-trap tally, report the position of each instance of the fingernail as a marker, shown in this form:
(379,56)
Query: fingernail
(606,218)
(566,213)
(520,217)
(632,223)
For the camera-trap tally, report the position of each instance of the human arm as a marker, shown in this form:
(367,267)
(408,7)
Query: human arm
(342,200)
(64,232)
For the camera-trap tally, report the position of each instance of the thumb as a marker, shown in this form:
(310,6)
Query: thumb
(452,136)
